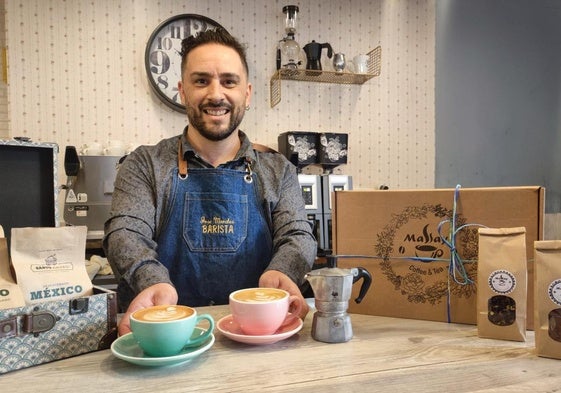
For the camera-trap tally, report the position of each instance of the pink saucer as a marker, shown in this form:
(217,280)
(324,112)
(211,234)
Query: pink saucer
(232,330)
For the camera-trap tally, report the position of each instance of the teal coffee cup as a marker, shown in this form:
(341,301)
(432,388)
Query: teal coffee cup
(165,330)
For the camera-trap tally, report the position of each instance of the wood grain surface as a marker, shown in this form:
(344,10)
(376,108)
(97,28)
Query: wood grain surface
(385,355)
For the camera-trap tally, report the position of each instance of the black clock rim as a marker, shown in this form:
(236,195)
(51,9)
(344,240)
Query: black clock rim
(165,99)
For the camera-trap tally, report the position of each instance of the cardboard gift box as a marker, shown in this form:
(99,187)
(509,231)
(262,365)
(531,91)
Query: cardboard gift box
(410,258)
(54,330)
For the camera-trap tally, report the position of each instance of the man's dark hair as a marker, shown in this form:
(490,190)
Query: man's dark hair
(214,36)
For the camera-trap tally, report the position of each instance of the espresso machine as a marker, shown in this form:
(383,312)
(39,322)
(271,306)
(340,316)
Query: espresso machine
(89,188)
(311,186)
(331,183)
(332,287)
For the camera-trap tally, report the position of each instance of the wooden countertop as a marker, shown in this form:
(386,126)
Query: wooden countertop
(385,355)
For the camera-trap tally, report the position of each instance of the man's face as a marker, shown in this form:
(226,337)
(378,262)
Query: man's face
(214,90)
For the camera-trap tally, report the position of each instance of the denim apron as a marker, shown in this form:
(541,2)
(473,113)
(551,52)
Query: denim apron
(215,238)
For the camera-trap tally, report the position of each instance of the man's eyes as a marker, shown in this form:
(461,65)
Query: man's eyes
(226,82)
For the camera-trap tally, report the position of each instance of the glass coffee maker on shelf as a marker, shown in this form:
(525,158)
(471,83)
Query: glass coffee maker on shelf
(289,52)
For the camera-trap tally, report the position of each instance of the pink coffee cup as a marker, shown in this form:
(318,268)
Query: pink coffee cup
(262,311)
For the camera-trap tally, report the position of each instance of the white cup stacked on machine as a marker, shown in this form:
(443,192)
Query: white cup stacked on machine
(112,147)
(115,147)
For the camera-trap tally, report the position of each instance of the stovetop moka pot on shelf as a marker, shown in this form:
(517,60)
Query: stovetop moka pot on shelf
(313,52)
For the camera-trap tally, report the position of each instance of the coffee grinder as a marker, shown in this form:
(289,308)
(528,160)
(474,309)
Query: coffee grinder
(332,288)
(329,150)
(288,52)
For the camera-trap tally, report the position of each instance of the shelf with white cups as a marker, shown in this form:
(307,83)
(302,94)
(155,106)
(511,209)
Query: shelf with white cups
(326,76)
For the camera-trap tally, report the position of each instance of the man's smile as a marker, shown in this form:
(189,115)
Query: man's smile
(216,112)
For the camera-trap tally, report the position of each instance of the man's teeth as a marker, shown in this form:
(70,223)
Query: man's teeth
(216,112)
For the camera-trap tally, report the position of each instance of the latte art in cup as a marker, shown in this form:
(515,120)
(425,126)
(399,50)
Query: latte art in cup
(259,295)
(165,330)
(262,311)
(162,314)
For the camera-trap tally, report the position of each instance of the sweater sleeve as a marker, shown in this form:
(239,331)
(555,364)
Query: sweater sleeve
(294,245)
(130,232)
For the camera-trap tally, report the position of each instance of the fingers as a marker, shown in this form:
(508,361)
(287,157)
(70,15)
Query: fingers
(276,279)
(124,325)
(161,293)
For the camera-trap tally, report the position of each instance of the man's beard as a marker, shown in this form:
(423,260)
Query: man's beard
(211,133)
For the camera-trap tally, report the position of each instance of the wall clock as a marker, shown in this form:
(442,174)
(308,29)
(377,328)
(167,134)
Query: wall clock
(162,56)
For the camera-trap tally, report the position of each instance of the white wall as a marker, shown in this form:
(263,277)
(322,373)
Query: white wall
(76,74)
(499,94)
(498,97)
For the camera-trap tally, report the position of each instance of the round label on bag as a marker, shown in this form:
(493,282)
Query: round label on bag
(502,281)
(554,291)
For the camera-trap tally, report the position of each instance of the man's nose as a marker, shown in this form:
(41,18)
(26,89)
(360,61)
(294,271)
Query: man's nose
(215,89)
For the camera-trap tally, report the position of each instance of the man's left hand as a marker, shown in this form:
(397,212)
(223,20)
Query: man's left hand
(276,279)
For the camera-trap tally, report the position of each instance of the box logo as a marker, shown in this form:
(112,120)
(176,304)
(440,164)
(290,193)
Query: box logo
(412,237)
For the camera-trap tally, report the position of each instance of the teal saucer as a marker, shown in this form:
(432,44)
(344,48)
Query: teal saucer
(126,348)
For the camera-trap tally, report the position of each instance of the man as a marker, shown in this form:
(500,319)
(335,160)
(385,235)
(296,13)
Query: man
(205,213)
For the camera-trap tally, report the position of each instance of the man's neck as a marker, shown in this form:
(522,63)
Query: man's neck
(214,152)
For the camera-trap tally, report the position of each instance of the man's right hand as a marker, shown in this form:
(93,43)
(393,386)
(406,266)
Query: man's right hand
(157,294)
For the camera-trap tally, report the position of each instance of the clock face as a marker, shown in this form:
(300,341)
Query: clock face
(163,58)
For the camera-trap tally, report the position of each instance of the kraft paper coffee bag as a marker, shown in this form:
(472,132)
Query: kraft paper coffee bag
(50,263)
(547,298)
(10,293)
(502,281)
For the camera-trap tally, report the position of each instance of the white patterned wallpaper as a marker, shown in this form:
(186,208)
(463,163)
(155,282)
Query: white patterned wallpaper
(4,125)
(76,75)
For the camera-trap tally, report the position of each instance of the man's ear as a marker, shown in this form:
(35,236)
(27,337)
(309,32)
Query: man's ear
(181,93)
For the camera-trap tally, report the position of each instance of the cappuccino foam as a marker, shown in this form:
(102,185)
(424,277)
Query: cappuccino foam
(259,295)
(162,313)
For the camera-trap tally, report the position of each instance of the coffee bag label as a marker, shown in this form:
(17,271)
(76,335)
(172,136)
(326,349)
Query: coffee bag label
(10,293)
(50,263)
(554,291)
(502,281)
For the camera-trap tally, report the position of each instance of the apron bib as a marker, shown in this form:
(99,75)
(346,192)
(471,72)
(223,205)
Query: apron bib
(215,238)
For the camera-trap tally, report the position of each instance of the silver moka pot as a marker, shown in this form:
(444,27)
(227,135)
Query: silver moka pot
(332,289)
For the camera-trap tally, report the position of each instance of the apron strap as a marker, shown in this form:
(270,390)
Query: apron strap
(182,162)
(263,148)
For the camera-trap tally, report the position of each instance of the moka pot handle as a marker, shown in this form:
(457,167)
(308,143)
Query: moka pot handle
(358,273)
